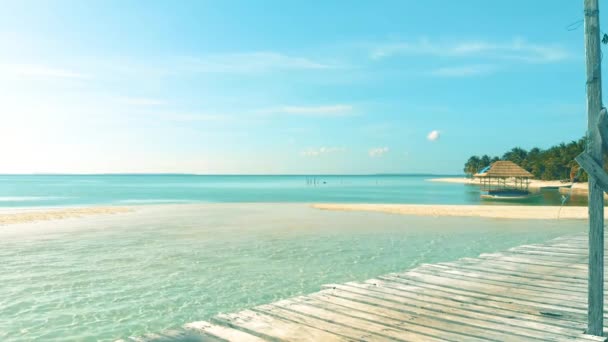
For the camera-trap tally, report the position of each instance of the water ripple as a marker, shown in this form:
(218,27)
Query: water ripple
(160,268)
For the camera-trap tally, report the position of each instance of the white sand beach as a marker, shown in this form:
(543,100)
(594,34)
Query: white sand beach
(13,216)
(487,211)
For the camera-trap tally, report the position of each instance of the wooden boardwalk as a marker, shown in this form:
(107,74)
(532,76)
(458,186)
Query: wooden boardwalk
(527,293)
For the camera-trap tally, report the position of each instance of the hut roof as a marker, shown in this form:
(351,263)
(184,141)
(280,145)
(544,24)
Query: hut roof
(505,169)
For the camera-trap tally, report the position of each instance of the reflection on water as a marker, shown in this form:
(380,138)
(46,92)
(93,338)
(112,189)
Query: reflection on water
(546,197)
(162,266)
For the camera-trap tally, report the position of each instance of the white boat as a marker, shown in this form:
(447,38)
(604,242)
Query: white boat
(501,196)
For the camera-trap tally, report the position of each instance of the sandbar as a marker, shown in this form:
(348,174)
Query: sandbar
(33,215)
(486,211)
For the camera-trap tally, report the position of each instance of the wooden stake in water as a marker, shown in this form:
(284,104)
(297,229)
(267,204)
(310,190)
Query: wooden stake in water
(594,148)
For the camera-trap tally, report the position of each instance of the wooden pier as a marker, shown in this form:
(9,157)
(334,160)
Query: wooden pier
(527,293)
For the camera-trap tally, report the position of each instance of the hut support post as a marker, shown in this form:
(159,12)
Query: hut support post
(594,149)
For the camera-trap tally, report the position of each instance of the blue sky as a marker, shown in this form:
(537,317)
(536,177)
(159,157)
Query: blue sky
(284,87)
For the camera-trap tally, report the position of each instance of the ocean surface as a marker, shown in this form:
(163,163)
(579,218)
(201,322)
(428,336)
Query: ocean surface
(75,190)
(114,276)
(196,246)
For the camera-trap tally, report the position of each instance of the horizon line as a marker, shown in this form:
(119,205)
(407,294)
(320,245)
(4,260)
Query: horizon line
(227,174)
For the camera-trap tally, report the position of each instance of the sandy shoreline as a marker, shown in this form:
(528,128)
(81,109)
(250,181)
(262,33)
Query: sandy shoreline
(16,216)
(34,215)
(535,184)
(486,211)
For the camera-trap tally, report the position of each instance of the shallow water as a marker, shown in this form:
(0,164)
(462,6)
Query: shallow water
(75,190)
(162,266)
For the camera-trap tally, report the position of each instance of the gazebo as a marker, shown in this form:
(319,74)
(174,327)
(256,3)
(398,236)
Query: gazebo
(504,180)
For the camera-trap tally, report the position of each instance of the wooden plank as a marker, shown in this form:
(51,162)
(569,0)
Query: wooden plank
(522,328)
(504,287)
(428,326)
(543,262)
(275,329)
(443,306)
(555,248)
(372,330)
(595,171)
(537,284)
(488,304)
(346,328)
(519,270)
(568,246)
(574,276)
(560,284)
(485,303)
(556,287)
(545,255)
(594,148)
(224,333)
(504,291)
(526,270)
(488,294)
(548,256)
(536,257)
(544,267)
(485,295)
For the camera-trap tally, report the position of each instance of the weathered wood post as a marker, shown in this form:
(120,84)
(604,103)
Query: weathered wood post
(594,148)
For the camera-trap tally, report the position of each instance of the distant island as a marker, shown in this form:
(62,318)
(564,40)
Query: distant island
(555,163)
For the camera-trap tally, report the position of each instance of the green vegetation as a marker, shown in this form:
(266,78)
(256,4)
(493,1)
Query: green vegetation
(554,163)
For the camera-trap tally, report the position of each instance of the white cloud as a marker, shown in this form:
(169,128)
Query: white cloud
(378,151)
(251,62)
(433,135)
(321,151)
(464,70)
(325,110)
(39,71)
(516,49)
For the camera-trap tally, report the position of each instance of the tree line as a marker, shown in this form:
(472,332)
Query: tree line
(555,163)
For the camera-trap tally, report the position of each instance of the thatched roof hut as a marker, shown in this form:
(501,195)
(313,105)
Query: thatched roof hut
(504,169)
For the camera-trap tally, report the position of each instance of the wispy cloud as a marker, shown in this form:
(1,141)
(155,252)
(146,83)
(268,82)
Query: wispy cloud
(378,151)
(321,151)
(251,62)
(40,71)
(194,116)
(516,49)
(315,111)
(464,70)
(142,101)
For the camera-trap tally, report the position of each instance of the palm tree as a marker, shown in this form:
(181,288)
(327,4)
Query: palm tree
(472,165)
(516,155)
(556,162)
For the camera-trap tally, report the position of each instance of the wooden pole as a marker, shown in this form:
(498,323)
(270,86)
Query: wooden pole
(594,148)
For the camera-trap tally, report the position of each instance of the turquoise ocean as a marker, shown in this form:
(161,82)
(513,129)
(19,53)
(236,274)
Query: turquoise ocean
(75,190)
(196,246)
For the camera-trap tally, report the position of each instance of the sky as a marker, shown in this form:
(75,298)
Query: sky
(285,87)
